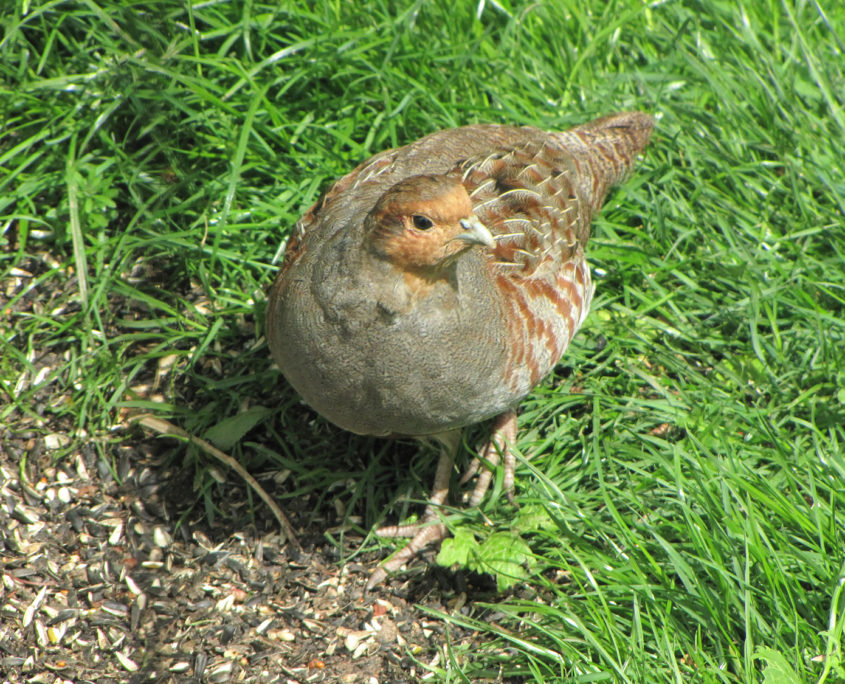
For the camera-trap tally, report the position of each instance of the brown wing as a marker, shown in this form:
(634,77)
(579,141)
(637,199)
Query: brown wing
(539,198)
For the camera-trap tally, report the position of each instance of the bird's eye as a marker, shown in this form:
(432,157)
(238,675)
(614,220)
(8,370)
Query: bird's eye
(422,222)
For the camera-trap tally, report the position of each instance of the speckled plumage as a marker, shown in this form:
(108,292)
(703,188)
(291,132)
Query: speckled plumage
(437,283)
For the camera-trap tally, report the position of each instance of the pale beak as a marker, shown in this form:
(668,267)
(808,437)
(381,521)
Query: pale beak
(476,232)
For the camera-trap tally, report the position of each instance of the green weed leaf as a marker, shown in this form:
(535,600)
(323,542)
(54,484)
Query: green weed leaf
(230,431)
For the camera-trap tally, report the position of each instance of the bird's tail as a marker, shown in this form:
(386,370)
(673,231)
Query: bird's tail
(607,149)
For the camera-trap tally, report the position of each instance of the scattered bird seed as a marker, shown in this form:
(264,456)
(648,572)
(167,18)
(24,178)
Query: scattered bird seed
(56,441)
(33,607)
(221,673)
(161,538)
(116,609)
(117,533)
(41,634)
(128,664)
(130,584)
(90,575)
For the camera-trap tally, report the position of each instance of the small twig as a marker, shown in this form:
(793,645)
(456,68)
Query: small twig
(164,427)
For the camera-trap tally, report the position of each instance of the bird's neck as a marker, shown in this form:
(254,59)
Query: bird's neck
(407,287)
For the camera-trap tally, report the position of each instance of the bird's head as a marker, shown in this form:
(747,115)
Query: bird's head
(424,222)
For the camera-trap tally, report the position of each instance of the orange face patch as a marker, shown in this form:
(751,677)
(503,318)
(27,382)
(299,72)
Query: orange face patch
(415,223)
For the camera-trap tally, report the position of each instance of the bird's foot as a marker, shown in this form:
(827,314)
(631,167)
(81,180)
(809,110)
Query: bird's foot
(423,535)
(502,438)
(428,530)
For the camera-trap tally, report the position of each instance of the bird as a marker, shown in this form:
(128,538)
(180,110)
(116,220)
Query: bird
(436,284)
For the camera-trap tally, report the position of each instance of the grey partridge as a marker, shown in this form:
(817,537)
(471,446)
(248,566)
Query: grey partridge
(436,284)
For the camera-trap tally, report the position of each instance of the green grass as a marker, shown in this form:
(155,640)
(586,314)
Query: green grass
(682,514)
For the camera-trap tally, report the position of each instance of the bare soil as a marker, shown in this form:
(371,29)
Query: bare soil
(112,571)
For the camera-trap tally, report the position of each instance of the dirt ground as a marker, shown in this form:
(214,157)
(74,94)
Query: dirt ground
(106,582)
(112,573)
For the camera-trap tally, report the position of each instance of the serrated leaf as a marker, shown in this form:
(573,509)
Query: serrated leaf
(533,517)
(230,431)
(776,669)
(505,556)
(458,549)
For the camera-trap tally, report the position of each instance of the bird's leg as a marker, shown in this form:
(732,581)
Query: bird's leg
(439,491)
(427,531)
(502,437)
